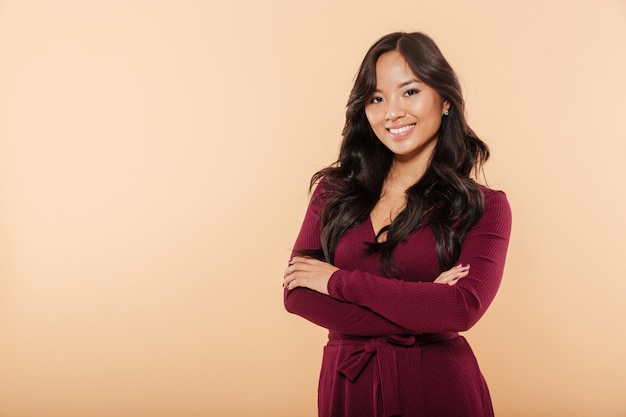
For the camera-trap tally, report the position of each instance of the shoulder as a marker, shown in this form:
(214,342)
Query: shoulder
(493,196)
(496,206)
(321,192)
(320,189)
(326,186)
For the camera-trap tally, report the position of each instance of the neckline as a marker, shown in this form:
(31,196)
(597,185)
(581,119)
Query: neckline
(371,228)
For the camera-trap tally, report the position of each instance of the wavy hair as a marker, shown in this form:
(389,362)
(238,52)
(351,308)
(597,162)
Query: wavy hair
(446,198)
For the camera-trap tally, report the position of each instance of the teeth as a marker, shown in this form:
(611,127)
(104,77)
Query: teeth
(401,130)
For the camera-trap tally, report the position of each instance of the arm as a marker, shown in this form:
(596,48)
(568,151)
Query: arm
(336,315)
(426,307)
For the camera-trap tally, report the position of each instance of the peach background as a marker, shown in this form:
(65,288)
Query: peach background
(154,159)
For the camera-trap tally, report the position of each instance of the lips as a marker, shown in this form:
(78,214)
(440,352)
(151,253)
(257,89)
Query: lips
(400,130)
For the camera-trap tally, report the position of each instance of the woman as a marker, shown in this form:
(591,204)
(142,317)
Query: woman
(400,248)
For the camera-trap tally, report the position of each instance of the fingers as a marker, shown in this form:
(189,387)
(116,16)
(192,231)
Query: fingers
(289,283)
(289,277)
(301,264)
(459,272)
(308,272)
(453,275)
(296,264)
(302,260)
(449,274)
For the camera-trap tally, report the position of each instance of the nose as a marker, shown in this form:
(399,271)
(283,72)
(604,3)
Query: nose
(395,110)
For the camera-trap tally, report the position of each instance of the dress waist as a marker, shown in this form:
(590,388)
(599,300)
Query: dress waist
(335,339)
(384,349)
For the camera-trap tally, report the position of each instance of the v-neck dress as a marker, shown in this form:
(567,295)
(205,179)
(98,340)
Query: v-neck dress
(394,347)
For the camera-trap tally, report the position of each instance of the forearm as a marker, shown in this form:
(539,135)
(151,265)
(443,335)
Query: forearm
(338,316)
(420,307)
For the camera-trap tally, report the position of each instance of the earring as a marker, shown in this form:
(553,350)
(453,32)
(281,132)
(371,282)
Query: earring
(446,113)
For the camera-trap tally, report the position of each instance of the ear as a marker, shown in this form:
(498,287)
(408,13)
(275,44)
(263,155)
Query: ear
(445,107)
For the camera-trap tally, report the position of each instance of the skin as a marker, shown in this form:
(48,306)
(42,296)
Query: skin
(405,114)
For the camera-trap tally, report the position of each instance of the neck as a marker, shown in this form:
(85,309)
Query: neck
(405,172)
(408,169)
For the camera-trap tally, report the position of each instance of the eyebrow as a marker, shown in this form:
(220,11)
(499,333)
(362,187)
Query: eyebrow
(403,84)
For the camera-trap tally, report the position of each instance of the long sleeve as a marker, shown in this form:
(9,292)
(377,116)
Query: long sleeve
(336,315)
(426,307)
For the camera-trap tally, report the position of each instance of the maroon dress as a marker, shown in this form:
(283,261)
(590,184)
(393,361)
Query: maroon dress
(394,347)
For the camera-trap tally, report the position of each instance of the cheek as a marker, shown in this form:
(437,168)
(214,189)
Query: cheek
(368,115)
(422,108)
(372,116)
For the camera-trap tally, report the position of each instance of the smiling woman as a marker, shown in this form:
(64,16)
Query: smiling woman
(395,218)
(404,112)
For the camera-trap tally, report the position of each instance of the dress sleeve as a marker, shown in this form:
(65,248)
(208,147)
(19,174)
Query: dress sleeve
(426,307)
(336,315)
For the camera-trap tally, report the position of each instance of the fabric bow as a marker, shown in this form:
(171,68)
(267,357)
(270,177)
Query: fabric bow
(352,366)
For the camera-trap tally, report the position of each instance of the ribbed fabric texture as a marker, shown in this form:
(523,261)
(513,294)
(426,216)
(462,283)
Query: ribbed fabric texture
(367,313)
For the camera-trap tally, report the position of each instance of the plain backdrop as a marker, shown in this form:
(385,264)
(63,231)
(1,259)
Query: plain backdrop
(154,164)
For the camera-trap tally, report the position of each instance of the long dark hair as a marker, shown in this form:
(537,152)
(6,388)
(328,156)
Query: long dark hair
(446,198)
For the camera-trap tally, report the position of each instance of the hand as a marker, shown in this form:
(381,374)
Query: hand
(308,273)
(453,275)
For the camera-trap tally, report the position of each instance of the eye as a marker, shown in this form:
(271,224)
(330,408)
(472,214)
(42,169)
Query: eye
(411,92)
(376,99)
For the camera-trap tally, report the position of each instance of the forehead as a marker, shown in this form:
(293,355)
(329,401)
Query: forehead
(392,68)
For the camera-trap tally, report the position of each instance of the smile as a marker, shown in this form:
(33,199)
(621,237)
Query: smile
(401,130)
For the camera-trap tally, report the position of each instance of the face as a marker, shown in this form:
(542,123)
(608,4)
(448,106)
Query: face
(404,113)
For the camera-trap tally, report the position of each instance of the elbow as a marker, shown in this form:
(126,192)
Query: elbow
(290,301)
(473,308)
(466,317)
(290,308)
(468,321)
(470,316)
(287,302)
